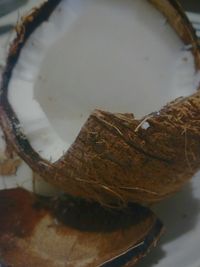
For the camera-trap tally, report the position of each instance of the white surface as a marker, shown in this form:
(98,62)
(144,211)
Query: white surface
(181,214)
(180,245)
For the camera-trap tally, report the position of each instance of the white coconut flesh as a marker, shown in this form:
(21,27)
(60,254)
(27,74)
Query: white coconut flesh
(119,56)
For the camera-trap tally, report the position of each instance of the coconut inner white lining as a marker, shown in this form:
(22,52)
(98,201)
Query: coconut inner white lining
(120,56)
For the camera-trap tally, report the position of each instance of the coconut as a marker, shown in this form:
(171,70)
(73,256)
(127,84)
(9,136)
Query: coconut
(69,232)
(76,73)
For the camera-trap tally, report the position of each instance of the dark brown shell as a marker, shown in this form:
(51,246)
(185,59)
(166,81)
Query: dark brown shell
(114,160)
(43,232)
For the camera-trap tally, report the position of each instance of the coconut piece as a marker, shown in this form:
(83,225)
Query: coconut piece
(41,187)
(9,161)
(9,166)
(115,159)
(15,173)
(37,231)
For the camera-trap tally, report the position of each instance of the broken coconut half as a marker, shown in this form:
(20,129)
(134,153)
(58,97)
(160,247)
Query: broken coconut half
(117,58)
(60,232)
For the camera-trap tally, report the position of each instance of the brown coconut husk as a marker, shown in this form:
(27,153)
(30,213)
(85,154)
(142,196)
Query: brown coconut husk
(47,232)
(9,161)
(9,166)
(115,160)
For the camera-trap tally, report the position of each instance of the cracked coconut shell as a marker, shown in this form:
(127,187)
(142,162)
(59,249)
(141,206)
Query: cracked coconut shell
(115,159)
(58,232)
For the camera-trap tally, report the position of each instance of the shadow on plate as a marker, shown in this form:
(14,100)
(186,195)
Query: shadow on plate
(178,218)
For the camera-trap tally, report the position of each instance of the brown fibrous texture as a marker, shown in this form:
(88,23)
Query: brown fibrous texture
(115,160)
(9,161)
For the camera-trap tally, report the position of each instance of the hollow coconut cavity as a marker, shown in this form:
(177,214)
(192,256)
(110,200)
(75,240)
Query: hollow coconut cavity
(72,57)
(118,56)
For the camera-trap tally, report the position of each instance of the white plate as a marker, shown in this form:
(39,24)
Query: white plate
(180,245)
